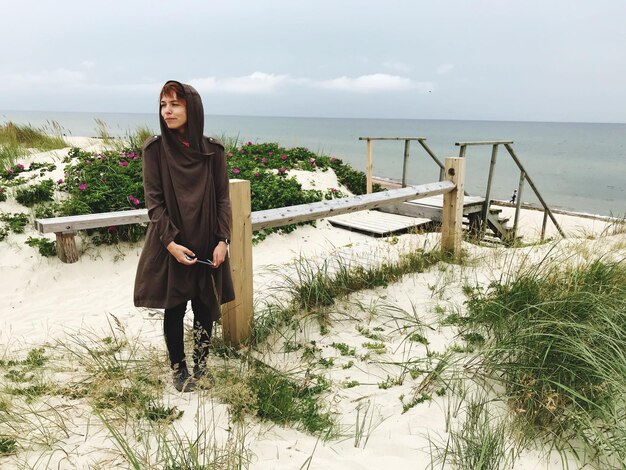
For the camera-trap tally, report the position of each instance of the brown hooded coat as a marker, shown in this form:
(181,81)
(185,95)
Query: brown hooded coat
(186,193)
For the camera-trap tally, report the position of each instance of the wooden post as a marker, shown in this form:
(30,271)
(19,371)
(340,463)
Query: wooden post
(452,217)
(487,203)
(518,202)
(237,315)
(66,247)
(369,167)
(543,224)
(407,144)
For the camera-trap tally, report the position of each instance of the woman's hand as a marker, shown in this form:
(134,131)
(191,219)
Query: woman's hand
(179,252)
(219,254)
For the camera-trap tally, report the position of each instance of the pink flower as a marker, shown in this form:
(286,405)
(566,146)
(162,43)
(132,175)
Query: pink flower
(112,229)
(87,162)
(263,160)
(281,169)
(270,153)
(236,171)
(123,163)
(257,175)
(83,186)
(242,151)
(230,154)
(312,161)
(20,166)
(133,200)
(334,190)
(332,159)
(284,157)
(60,181)
(249,143)
(131,154)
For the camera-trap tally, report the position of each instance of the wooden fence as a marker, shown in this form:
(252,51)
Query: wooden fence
(237,315)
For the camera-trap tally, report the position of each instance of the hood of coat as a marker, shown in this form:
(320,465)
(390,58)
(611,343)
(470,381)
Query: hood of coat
(195,122)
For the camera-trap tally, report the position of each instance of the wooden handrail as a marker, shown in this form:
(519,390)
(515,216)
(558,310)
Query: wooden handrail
(237,315)
(318,210)
(523,177)
(260,219)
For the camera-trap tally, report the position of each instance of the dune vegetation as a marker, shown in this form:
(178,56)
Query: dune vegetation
(496,357)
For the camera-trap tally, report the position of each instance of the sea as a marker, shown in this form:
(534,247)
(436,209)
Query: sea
(579,167)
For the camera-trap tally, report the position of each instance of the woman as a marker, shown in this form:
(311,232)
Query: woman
(186,192)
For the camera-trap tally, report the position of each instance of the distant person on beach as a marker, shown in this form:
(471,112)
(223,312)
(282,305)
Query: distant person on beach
(513,196)
(185,257)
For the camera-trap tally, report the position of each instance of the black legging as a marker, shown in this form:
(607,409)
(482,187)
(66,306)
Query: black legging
(174,332)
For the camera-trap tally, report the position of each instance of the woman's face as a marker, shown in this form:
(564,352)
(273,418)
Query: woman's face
(174,113)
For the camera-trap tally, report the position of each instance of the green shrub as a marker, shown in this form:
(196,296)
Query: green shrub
(105,182)
(46,247)
(112,181)
(15,222)
(12,171)
(36,193)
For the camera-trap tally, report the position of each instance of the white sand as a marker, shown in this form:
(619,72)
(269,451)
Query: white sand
(43,299)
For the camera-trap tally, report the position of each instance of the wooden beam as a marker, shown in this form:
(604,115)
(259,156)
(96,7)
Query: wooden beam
(237,315)
(392,138)
(452,217)
(485,142)
(86,221)
(319,210)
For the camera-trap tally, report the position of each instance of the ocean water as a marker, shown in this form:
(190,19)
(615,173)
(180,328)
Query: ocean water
(575,166)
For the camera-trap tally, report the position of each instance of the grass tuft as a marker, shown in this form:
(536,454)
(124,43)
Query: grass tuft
(26,136)
(556,338)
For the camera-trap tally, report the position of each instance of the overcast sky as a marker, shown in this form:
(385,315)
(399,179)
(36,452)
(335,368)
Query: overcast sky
(530,60)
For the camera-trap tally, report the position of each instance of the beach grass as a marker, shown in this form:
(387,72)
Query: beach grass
(556,340)
(26,136)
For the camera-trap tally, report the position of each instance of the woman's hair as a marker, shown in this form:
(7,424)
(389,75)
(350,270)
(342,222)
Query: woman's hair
(171,88)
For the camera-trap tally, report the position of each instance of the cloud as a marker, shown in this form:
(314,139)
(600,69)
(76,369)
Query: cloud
(63,78)
(444,69)
(264,83)
(255,83)
(378,82)
(88,64)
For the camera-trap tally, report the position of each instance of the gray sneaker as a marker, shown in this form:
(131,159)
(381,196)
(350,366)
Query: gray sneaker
(183,381)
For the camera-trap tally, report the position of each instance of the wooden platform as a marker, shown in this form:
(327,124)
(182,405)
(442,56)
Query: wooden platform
(378,224)
(431,207)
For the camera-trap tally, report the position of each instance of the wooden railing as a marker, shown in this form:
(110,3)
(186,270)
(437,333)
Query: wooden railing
(524,176)
(237,315)
(405,161)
